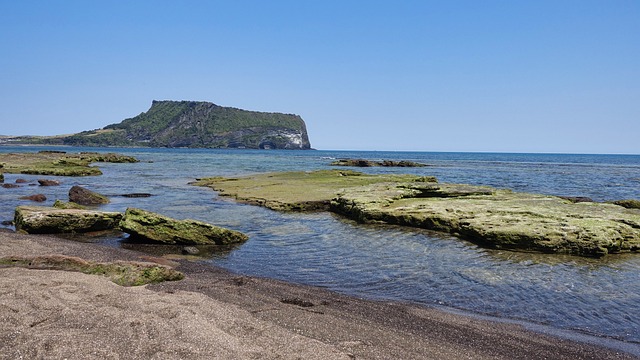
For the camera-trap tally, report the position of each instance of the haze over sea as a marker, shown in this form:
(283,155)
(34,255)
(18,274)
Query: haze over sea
(594,296)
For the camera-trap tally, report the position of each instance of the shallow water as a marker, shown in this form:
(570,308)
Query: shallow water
(597,296)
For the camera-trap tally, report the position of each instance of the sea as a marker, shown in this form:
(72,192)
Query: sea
(565,294)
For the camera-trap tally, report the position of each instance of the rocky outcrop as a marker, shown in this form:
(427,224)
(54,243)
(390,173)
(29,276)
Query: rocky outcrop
(487,216)
(498,218)
(629,204)
(371,163)
(58,163)
(82,196)
(47,220)
(146,225)
(195,124)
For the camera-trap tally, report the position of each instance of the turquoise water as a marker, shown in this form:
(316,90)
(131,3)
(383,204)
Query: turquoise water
(595,296)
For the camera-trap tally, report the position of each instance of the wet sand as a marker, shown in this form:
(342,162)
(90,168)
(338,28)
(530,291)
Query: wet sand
(215,314)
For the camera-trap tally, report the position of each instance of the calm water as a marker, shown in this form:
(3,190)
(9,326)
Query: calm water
(600,297)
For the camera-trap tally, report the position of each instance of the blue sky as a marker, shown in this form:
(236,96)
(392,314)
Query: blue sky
(507,76)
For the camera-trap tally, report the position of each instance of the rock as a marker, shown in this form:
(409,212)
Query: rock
(47,220)
(298,190)
(1,177)
(577,199)
(59,204)
(10,186)
(125,273)
(47,182)
(21,181)
(136,195)
(629,204)
(36,197)
(190,250)
(82,196)
(148,225)
(498,218)
(370,163)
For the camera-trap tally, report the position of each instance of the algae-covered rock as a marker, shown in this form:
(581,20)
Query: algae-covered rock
(629,204)
(148,225)
(47,220)
(498,218)
(59,204)
(298,190)
(125,273)
(82,196)
(58,163)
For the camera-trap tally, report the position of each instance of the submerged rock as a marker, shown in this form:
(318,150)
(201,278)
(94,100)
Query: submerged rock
(370,163)
(47,182)
(82,196)
(47,220)
(36,198)
(148,225)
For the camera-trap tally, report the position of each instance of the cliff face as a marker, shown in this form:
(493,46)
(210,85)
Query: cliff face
(200,125)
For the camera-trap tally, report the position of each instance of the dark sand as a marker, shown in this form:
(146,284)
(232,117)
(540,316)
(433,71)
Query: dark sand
(214,314)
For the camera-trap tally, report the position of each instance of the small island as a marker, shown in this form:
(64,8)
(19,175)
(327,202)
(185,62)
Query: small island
(189,124)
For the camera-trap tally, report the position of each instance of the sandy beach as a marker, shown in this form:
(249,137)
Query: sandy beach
(215,314)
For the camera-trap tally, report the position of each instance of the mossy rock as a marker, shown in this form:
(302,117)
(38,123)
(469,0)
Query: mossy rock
(58,163)
(48,220)
(82,196)
(498,218)
(59,204)
(298,190)
(629,204)
(125,273)
(146,225)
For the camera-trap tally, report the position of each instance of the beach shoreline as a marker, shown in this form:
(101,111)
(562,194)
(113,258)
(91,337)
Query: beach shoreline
(214,313)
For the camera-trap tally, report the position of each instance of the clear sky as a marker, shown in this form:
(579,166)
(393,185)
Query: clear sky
(449,75)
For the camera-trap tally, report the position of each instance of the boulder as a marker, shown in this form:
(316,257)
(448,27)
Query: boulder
(155,227)
(47,220)
(82,196)
(47,182)
(10,186)
(21,181)
(1,177)
(36,197)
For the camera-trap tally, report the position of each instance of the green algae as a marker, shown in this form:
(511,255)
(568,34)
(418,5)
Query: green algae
(58,163)
(125,273)
(158,228)
(494,218)
(298,191)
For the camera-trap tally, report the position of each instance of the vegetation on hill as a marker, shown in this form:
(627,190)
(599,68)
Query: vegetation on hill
(192,124)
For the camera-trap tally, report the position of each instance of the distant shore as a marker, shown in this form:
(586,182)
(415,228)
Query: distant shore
(213,313)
